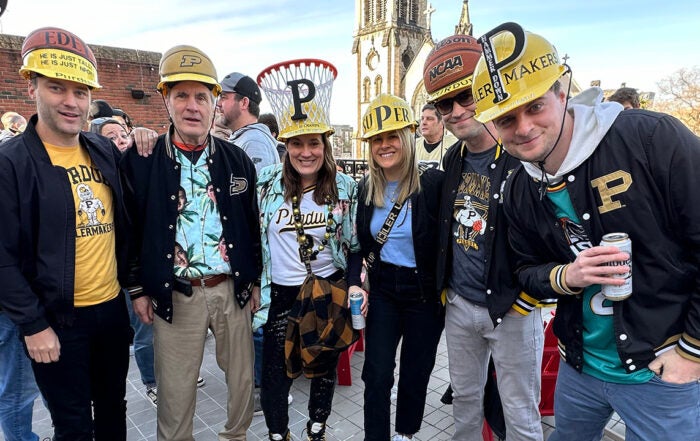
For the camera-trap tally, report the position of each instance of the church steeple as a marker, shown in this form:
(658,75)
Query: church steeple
(465,25)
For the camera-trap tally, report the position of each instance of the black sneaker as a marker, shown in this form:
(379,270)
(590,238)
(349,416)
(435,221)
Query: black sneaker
(315,431)
(279,437)
(152,394)
(200,382)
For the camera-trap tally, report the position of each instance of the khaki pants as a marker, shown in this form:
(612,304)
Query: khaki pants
(179,348)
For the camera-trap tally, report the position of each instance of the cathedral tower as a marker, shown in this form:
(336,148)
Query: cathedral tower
(389,36)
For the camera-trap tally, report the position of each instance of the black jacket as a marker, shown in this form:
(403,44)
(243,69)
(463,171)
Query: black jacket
(37,233)
(502,288)
(154,182)
(659,158)
(425,206)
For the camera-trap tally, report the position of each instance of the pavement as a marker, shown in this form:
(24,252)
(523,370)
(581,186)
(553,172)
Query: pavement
(345,422)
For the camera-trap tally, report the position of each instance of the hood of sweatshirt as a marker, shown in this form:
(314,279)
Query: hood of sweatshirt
(592,120)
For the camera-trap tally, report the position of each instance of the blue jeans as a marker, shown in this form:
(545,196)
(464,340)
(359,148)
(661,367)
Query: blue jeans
(17,386)
(143,346)
(654,410)
(516,346)
(258,345)
(398,313)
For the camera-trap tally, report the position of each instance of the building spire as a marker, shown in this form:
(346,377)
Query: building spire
(428,13)
(465,25)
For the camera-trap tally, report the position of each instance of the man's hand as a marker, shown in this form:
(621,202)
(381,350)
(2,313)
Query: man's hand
(143,309)
(144,140)
(672,368)
(43,347)
(255,300)
(365,300)
(590,267)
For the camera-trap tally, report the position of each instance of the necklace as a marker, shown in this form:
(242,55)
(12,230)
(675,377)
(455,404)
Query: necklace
(306,244)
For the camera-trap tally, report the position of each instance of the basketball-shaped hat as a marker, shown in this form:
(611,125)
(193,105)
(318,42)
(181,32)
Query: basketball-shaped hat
(450,65)
(57,53)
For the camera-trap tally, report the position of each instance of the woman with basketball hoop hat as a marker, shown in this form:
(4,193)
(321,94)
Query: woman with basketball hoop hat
(308,227)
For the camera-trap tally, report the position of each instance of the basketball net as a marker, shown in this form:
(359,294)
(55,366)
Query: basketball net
(273,81)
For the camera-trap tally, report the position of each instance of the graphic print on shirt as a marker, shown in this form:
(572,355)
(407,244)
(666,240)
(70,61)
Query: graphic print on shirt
(471,209)
(89,207)
(200,248)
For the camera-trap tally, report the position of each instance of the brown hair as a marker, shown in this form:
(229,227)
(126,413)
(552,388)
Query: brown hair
(325,181)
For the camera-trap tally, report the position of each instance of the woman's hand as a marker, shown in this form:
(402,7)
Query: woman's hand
(365,299)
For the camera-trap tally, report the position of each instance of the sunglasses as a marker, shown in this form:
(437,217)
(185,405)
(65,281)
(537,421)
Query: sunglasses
(464,99)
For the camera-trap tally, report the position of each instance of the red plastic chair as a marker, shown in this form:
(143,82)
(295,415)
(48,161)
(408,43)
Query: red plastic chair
(344,371)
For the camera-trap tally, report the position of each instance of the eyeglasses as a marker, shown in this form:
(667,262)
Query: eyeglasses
(464,99)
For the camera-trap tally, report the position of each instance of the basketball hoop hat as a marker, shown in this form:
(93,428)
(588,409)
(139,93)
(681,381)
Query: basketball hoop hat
(299,92)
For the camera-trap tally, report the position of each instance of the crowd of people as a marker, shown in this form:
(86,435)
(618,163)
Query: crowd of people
(241,226)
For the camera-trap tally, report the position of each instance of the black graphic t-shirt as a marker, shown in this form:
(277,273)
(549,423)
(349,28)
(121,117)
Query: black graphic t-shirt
(469,223)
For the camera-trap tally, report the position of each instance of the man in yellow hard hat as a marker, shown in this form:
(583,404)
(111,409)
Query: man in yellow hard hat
(487,314)
(210,290)
(62,244)
(628,316)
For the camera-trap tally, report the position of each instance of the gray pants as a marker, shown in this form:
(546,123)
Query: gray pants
(516,346)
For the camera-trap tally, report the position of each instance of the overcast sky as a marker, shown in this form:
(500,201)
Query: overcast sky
(637,42)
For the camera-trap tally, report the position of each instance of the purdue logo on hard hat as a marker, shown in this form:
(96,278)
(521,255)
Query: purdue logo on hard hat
(516,67)
(386,113)
(190,60)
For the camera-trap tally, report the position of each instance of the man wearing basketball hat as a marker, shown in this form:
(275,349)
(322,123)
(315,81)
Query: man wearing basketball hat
(487,314)
(590,169)
(62,244)
(212,290)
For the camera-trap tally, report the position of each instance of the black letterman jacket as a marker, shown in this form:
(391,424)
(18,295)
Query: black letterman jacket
(660,210)
(37,228)
(154,182)
(502,288)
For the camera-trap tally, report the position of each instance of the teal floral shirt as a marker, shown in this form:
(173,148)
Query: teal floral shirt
(271,197)
(200,249)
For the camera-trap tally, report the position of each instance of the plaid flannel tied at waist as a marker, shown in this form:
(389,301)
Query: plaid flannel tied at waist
(319,327)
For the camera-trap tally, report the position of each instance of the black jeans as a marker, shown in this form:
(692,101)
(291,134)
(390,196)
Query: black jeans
(397,312)
(90,374)
(275,382)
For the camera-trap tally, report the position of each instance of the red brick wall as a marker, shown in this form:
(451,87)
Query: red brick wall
(119,71)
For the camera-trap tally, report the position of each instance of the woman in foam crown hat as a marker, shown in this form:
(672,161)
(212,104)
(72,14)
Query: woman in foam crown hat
(308,228)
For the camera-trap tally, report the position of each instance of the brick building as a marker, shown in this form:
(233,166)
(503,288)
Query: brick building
(128,78)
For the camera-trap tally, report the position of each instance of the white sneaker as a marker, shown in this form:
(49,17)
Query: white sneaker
(399,437)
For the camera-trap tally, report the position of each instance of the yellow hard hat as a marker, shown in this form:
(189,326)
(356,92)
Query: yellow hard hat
(516,67)
(57,53)
(187,63)
(316,121)
(385,113)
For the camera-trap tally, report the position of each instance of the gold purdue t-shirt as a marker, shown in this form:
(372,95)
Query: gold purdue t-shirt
(95,259)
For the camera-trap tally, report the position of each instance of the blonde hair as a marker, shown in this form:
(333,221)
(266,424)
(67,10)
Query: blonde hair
(409,181)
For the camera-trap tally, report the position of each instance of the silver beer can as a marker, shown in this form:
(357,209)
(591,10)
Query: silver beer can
(358,320)
(623,243)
